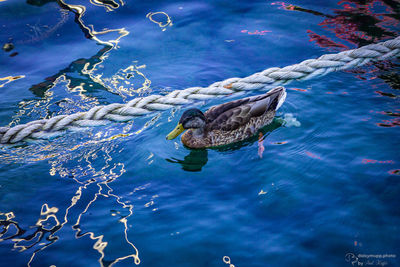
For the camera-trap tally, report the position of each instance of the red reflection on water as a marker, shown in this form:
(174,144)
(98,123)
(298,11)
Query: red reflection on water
(298,89)
(386,94)
(389,123)
(332,93)
(261,147)
(290,7)
(283,5)
(389,113)
(323,41)
(393,114)
(358,22)
(311,155)
(362,22)
(374,161)
(256,32)
(279,143)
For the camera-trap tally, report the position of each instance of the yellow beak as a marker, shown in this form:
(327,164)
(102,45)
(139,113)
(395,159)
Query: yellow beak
(177,131)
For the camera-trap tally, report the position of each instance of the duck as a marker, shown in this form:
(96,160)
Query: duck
(229,122)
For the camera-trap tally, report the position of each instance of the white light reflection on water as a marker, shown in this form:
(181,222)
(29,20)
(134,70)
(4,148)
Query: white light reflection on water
(90,164)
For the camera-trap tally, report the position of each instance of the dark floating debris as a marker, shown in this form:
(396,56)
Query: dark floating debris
(393,114)
(389,123)
(8,47)
(386,94)
(14,54)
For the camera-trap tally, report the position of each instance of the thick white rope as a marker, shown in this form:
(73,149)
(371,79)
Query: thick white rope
(100,115)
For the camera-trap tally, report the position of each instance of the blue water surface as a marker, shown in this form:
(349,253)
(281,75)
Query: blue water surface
(324,192)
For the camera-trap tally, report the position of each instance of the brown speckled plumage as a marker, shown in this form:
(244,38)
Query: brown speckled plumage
(235,121)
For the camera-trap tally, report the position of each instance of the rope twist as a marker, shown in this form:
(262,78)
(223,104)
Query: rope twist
(101,115)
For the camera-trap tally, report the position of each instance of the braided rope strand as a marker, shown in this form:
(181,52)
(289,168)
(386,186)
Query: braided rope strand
(101,115)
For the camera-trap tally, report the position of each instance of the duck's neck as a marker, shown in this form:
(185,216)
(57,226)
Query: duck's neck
(198,132)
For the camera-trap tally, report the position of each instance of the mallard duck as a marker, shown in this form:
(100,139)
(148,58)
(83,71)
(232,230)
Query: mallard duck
(229,122)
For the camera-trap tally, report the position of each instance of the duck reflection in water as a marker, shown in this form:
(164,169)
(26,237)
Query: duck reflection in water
(194,161)
(198,158)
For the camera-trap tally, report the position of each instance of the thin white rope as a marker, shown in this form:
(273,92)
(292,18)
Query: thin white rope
(100,115)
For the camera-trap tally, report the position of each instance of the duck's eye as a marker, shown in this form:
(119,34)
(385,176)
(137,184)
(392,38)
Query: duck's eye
(194,122)
(186,123)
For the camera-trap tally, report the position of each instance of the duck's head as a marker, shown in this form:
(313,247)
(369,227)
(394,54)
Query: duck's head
(191,119)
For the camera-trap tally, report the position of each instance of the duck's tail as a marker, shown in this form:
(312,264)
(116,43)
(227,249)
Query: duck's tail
(278,96)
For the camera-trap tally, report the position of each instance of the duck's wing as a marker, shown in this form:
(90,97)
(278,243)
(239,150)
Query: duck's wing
(234,114)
